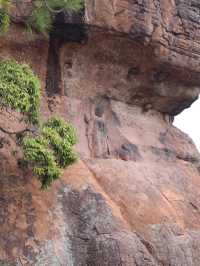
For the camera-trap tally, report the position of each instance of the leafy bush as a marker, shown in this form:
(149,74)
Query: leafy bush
(50,151)
(5,4)
(47,149)
(61,137)
(4,17)
(19,89)
(4,21)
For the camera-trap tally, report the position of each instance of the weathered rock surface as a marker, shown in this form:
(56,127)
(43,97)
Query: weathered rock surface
(132,199)
(171,27)
(134,196)
(169,31)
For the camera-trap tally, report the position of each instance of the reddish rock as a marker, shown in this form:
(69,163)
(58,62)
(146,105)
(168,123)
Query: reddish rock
(171,27)
(133,198)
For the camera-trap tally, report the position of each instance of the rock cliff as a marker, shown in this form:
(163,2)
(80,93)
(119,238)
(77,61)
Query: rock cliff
(119,72)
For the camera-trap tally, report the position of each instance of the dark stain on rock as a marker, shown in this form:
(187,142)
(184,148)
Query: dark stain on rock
(99,110)
(103,251)
(163,153)
(160,75)
(129,152)
(6,263)
(133,71)
(90,219)
(61,33)
(163,136)
(101,126)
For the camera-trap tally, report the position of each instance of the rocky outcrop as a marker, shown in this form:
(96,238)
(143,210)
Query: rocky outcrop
(169,33)
(170,27)
(133,198)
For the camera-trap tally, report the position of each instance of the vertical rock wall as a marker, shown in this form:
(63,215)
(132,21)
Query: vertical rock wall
(133,198)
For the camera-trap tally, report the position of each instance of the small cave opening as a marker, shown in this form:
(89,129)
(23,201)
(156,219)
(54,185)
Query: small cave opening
(62,31)
(187,122)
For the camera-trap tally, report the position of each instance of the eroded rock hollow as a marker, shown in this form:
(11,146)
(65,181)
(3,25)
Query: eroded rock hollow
(119,73)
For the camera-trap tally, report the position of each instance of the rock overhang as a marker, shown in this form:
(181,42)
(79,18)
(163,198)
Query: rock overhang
(130,156)
(154,43)
(171,31)
(120,68)
(150,49)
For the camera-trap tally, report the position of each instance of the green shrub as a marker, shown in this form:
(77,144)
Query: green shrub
(4,17)
(4,22)
(48,148)
(50,151)
(19,89)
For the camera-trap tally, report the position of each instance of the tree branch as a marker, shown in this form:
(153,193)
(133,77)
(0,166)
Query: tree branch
(17,132)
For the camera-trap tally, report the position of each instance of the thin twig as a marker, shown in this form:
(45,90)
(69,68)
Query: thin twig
(16,132)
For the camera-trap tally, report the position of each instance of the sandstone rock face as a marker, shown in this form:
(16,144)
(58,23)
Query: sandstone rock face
(169,32)
(171,27)
(133,198)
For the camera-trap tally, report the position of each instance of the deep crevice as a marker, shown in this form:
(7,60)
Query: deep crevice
(61,33)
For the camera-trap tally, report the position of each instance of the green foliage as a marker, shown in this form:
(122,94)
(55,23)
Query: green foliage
(41,158)
(67,5)
(5,4)
(4,22)
(19,90)
(51,150)
(61,136)
(42,15)
(4,17)
(41,20)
